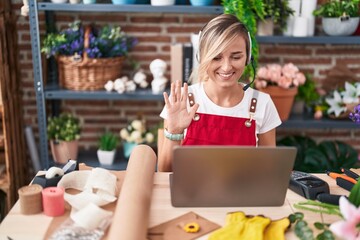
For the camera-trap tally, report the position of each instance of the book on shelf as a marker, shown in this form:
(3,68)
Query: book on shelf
(181,59)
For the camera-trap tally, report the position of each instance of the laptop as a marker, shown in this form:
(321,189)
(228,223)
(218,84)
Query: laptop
(230,176)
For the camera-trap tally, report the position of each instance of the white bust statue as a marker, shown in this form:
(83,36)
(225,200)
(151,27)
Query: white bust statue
(158,69)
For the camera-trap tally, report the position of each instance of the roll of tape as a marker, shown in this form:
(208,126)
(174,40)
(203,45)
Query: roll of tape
(30,199)
(53,201)
(54,172)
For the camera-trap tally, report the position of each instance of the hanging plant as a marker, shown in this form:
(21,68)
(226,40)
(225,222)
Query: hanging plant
(247,12)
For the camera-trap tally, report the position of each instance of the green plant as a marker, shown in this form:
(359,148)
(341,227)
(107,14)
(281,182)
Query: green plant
(304,232)
(338,8)
(248,12)
(108,141)
(278,10)
(317,158)
(307,92)
(65,127)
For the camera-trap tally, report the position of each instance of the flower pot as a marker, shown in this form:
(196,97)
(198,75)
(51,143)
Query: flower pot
(63,151)
(162,2)
(128,147)
(106,157)
(89,1)
(338,27)
(266,27)
(121,2)
(59,1)
(283,99)
(201,2)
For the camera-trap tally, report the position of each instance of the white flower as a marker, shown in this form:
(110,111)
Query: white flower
(135,136)
(351,93)
(124,134)
(336,104)
(149,137)
(137,125)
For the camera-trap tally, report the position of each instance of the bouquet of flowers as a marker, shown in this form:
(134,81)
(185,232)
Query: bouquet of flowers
(342,102)
(286,76)
(108,41)
(136,132)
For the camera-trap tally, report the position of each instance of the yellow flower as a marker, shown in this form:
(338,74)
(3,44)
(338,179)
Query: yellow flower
(192,227)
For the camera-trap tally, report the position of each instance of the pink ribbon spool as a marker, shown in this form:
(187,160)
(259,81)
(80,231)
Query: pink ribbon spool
(53,201)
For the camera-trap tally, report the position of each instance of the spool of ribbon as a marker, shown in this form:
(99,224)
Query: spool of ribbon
(54,172)
(30,199)
(53,201)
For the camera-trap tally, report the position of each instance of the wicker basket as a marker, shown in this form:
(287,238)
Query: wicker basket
(84,73)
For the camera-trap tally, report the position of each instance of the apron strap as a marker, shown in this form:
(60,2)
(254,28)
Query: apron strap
(191,99)
(253,102)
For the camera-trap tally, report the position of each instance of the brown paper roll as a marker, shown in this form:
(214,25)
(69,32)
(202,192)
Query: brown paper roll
(30,199)
(132,211)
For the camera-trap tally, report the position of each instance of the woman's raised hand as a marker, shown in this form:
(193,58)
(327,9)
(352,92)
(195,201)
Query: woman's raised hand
(179,118)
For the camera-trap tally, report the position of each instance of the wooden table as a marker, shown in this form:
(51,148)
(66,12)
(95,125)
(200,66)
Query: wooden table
(18,227)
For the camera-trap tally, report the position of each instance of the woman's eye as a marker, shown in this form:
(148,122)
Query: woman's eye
(217,58)
(236,57)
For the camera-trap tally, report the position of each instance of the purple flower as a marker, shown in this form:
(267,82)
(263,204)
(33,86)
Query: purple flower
(103,43)
(355,116)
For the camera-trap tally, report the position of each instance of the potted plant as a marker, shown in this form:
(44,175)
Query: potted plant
(281,83)
(135,133)
(88,57)
(63,132)
(339,17)
(107,148)
(275,12)
(307,96)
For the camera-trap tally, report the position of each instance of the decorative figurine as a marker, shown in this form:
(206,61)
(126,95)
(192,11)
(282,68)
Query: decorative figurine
(158,69)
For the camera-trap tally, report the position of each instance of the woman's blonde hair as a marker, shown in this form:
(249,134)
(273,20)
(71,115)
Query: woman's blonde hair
(214,38)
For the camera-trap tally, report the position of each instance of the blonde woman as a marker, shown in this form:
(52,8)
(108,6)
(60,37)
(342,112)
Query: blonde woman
(216,109)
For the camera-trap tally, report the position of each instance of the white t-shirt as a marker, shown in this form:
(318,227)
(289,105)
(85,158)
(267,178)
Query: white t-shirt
(266,115)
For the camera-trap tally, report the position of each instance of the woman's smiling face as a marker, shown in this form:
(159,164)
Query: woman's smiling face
(227,67)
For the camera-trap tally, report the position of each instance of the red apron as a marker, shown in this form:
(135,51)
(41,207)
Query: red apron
(208,129)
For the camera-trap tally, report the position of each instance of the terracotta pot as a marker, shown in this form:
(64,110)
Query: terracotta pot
(283,99)
(63,151)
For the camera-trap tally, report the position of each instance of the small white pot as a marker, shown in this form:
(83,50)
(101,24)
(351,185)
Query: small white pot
(59,1)
(75,1)
(162,2)
(106,157)
(336,27)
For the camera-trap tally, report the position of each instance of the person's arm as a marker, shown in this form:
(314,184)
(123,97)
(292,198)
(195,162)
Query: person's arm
(178,119)
(165,157)
(268,138)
